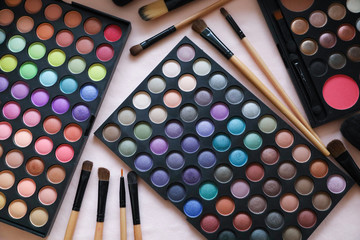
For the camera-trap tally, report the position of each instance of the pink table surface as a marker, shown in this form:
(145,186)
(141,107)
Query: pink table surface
(160,219)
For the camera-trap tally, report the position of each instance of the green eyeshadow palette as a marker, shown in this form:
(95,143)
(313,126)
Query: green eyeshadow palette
(220,155)
(319,43)
(56,61)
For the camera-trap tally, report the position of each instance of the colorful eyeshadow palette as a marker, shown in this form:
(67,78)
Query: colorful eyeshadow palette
(318,41)
(56,61)
(229,163)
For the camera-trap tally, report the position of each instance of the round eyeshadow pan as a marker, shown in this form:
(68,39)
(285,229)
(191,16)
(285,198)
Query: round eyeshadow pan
(56,58)
(112,33)
(205,128)
(309,47)
(14,158)
(218,81)
(160,177)
(97,72)
(23,138)
(7,179)
(353,6)
(56,174)
(208,191)
(28,70)
(203,97)
(337,61)
(272,187)
(4,83)
(255,172)
(48,77)
(20,90)
(267,124)
(187,82)
(92,26)
(68,85)
(73,132)
(5,130)
(270,155)
(26,187)
(307,218)
(175,161)
(156,84)
(234,95)
(253,141)
(84,45)
(89,92)
(17,209)
(44,145)
(8,63)
(225,206)
(12,3)
(2,36)
(304,186)
(158,114)
(81,112)
(16,44)
(172,98)
(127,147)
(292,233)
(353,52)
(295,6)
(171,68)
(191,176)
(141,100)
(6,17)
(143,162)
(336,11)
(242,222)
(301,153)
(186,53)
(37,50)
(126,116)
(52,125)
(226,235)
(2,200)
(257,204)
(190,144)
(39,217)
(105,52)
(251,110)
(142,131)
(274,220)
(299,26)
(159,145)
(221,143)
(64,153)
(202,67)
(289,202)
(53,12)
(72,19)
(77,65)
(346,32)
(35,166)
(188,113)
(322,201)
(236,126)
(319,168)
(60,105)
(33,6)
(238,157)
(11,110)
(210,223)
(193,208)
(206,159)
(287,170)
(174,129)
(223,174)
(111,133)
(176,193)
(327,40)
(45,31)
(284,138)
(219,111)
(31,117)
(336,184)
(318,19)
(240,189)
(47,195)
(64,38)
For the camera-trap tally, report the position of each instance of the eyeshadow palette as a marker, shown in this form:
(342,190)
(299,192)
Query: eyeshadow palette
(318,41)
(223,158)
(56,61)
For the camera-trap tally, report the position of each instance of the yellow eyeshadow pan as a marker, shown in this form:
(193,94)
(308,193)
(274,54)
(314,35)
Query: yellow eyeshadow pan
(233,167)
(56,61)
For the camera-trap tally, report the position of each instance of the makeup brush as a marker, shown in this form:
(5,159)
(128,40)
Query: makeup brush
(342,156)
(200,27)
(133,191)
(350,129)
(104,176)
(122,207)
(160,7)
(135,50)
(84,178)
(264,68)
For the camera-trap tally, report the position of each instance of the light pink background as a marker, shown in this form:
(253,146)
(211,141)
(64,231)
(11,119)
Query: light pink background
(160,219)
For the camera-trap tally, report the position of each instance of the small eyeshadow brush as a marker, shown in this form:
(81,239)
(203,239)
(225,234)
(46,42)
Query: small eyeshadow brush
(135,50)
(104,176)
(133,191)
(200,27)
(122,207)
(343,157)
(160,7)
(84,178)
(265,69)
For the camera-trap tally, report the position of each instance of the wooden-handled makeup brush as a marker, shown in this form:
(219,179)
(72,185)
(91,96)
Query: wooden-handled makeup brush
(160,7)
(200,27)
(84,178)
(265,69)
(135,50)
(134,198)
(104,176)
(123,231)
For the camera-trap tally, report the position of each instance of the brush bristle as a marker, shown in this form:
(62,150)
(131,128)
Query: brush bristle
(135,50)
(104,174)
(278,15)
(87,166)
(132,177)
(199,26)
(153,10)
(122,172)
(336,148)
(224,12)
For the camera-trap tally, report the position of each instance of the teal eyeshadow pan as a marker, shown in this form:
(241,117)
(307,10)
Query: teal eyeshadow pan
(214,149)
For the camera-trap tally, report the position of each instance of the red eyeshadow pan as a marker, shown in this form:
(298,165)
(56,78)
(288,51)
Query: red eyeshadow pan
(112,33)
(105,52)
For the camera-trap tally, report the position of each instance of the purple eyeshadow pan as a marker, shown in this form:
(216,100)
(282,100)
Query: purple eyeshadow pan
(176,193)
(206,159)
(60,105)
(219,111)
(205,128)
(81,113)
(174,129)
(191,176)
(143,163)
(20,90)
(190,144)
(40,97)
(4,83)
(175,161)
(160,178)
(203,97)
(159,145)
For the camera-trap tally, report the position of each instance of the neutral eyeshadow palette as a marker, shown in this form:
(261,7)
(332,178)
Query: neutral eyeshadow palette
(223,158)
(56,61)
(318,41)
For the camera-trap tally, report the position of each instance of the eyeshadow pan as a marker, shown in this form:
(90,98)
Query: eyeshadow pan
(251,110)
(210,223)
(234,95)
(92,26)
(208,191)
(12,3)
(257,204)
(52,125)
(240,189)
(186,53)
(4,83)
(68,85)
(25,24)
(309,47)
(206,159)
(16,44)
(158,114)
(191,176)
(53,12)
(23,138)
(35,166)
(301,153)
(221,143)
(203,97)
(111,133)
(337,11)
(296,6)
(72,19)
(292,233)
(20,90)
(8,63)
(318,19)
(253,141)
(11,110)
(242,222)
(172,98)
(89,92)
(64,38)
(56,174)
(171,68)
(17,209)
(238,157)
(289,202)
(272,187)
(304,185)
(45,31)
(7,179)
(255,172)
(160,178)
(26,187)
(354,53)
(190,144)
(6,17)
(227,235)
(64,153)
(236,126)
(14,158)
(73,132)
(187,82)
(287,170)
(319,168)
(225,206)
(47,195)
(188,113)
(37,50)
(176,193)
(307,218)
(267,124)
(274,220)
(337,61)
(336,184)
(299,26)
(193,208)
(33,6)
(142,131)
(127,147)
(270,155)
(174,129)
(81,112)
(143,163)
(40,97)
(39,217)
(202,67)
(156,84)
(126,116)
(223,174)
(60,105)
(2,200)
(218,81)
(321,201)
(77,65)
(175,161)
(113,33)
(284,138)
(353,6)
(84,45)
(44,145)
(105,52)
(56,58)
(346,32)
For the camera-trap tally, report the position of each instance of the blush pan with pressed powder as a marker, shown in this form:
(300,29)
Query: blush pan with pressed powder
(318,42)
(56,61)
(205,143)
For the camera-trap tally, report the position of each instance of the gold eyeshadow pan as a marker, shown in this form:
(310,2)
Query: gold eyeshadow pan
(319,44)
(205,143)
(56,61)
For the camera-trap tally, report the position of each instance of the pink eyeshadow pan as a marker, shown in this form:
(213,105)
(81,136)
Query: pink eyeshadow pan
(105,52)
(64,38)
(43,145)
(32,117)
(64,153)
(84,45)
(5,130)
